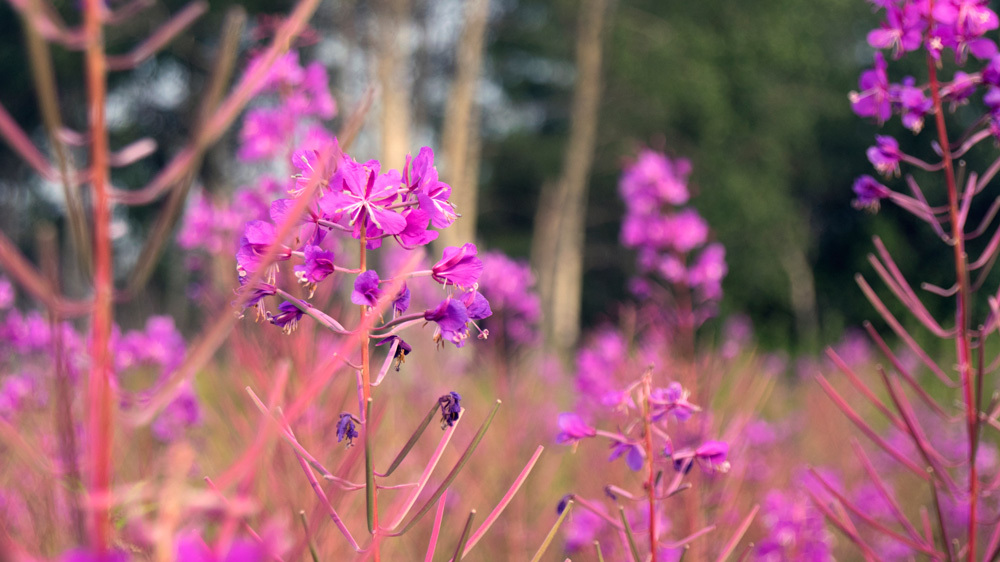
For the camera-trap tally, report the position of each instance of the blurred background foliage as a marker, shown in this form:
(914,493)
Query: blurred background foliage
(754,93)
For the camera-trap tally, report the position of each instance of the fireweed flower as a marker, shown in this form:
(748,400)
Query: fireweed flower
(635,457)
(402,350)
(885,155)
(874,99)
(257,237)
(451,317)
(707,272)
(687,230)
(256,296)
(869,192)
(458,266)
(671,400)
(421,179)
(366,291)
(361,194)
(654,179)
(902,31)
(287,318)
(913,103)
(346,429)
(572,429)
(712,456)
(451,408)
(317,266)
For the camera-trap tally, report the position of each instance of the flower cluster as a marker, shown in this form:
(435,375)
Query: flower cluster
(672,240)
(28,364)
(364,202)
(509,286)
(648,440)
(956,25)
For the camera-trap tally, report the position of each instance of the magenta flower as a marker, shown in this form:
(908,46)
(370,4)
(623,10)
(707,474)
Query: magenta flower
(653,179)
(318,266)
(432,195)
(452,318)
(902,31)
(416,232)
(476,305)
(458,266)
(874,99)
(360,194)
(708,270)
(257,237)
(914,105)
(885,155)
(869,192)
(182,414)
(366,291)
(287,318)
(635,457)
(712,456)
(572,429)
(255,299)
(265,134)
(687,230)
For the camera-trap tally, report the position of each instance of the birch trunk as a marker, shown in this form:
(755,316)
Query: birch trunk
(392,56)
(460,139)
(557,252)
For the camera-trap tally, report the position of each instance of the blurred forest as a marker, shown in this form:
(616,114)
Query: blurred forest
(754,93)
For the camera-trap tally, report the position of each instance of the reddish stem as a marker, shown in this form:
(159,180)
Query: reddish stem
(647,422)
(962,280)
(99,389)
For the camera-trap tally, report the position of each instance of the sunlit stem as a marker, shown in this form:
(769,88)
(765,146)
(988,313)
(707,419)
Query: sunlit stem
(962,312)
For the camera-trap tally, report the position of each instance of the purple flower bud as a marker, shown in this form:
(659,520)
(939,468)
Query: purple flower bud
(572,429)
(458,266)
(366,291)
(991,73)
(451,408)
(563,503)
(346,429)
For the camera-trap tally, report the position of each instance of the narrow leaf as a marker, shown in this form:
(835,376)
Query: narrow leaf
(465,536)
(369,470)
(454,471)
(436,530)
(495,514)
(412,441)
(552,533)
(628,534)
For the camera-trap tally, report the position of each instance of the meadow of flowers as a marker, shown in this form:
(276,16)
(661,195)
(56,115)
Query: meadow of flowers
(354,390)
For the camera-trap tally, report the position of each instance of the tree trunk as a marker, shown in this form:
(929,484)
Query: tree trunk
(557,251)
(392,57)
(461,138)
